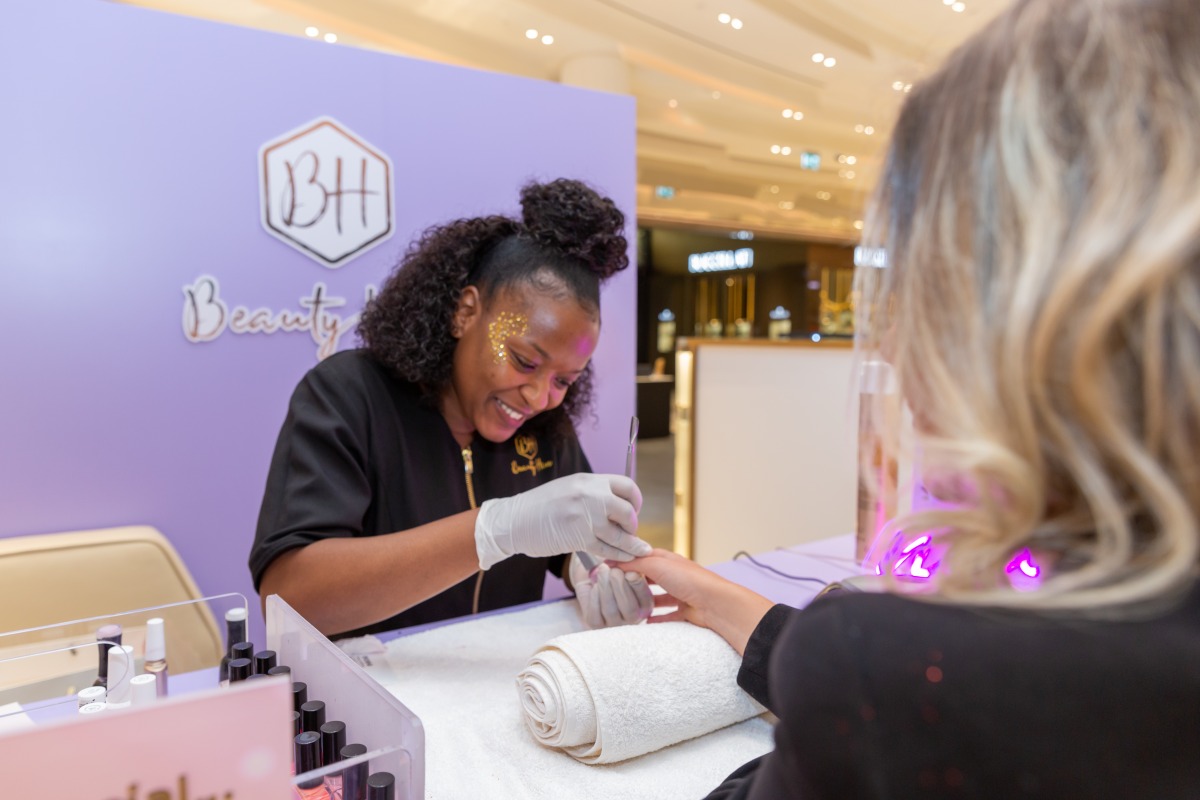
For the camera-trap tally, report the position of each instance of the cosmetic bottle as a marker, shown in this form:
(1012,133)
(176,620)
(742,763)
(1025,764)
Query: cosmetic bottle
(381,786)
(299,694)
(120,673)
(156,654)
(235,631)
(243,650)
(296,730)
(264,660)
(333,739)
(312,716)
(106,636)
(93,694)
(91,709)
(354,778)
(280,670)
(308,758)
(239,669)
(144,689)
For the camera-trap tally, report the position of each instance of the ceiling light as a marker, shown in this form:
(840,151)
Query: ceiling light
(547,39)
(959,7)
(724,18)
(824,195)
(907,88)
(830,62)
(858,128)
(849,174)
(869,130)
(851,160)
(673,103)
(947,2)
(736,23)
(898,86)
(798,116)
(774,190)
(775,149)
(787,113)
(311,31)
(786,205)
(818,58)
(531,33)
(716,95)
(858,224)
(331,37)
(787,151)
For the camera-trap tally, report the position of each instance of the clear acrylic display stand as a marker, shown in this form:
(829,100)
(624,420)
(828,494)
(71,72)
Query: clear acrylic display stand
(392,734)
(43,668)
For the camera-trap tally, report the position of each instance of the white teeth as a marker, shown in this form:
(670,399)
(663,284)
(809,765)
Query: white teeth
(515,416)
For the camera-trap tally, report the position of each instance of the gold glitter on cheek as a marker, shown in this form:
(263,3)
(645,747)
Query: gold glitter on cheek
(505,326)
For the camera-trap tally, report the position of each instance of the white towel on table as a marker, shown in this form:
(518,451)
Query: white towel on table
(459,680)
(608,695)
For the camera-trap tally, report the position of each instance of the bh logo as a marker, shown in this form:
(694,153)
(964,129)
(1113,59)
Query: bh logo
(326,192)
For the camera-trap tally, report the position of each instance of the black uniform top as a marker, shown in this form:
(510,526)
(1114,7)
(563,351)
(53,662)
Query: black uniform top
(879,696)
(361,455)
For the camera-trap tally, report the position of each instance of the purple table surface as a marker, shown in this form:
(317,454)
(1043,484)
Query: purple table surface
(824,560)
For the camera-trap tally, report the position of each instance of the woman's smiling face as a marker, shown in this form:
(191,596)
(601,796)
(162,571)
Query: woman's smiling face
(517,355)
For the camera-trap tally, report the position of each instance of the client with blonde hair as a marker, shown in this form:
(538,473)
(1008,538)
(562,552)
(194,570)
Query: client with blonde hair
(1039,305)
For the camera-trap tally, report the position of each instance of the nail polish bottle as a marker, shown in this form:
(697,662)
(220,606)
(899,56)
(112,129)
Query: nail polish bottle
(354,778)
(381,786)
(299,694)
(92,709)
(264,660)
(308,757)
(280,670)
(106,636)
(120,673)
(296,730)
(235,631)
(156,654)
(143,689)
(243,650)
(239,669)
(333,739)
(93,694)
(312,716)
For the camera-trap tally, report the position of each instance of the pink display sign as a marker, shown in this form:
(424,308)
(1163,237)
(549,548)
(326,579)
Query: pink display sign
(225,744)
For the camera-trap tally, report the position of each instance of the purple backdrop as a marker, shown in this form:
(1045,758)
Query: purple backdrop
(129,157)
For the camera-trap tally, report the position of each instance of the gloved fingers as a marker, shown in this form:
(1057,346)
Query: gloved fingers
(589,604)
(639,587)
(577,572)
(628,603)
(619,512)
(619,541)
(610,608)
(627,490)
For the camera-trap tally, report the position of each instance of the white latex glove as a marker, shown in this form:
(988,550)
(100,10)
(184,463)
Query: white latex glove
(610,597)
(596,513)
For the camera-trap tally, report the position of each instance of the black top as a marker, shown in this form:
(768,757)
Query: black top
(880,696)
(360,454)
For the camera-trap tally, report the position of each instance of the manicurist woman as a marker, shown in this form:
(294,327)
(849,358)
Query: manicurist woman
(436,471)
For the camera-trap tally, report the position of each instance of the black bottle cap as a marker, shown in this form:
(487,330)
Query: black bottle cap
(312,716)
(333,739)
(299,694)
(242,650)
(239,669)
(354,778)
(256,675)
(264,660)
(308,756)
(381,786)
(296,723)
(280,670)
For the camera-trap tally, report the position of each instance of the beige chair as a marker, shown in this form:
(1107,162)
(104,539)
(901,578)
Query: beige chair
(57,578)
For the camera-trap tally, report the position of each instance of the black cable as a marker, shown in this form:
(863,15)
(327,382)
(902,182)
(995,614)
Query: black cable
(781,574)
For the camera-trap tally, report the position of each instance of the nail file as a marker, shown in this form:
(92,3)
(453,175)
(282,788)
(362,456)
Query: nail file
(589,561)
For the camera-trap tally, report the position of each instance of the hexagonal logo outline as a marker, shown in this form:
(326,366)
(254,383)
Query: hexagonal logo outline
(276,227)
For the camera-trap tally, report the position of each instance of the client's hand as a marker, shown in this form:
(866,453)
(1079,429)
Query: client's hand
(596,513)
(608,596)
(701,596)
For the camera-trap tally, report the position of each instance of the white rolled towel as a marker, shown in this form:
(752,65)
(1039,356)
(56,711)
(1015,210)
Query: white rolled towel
(608,695)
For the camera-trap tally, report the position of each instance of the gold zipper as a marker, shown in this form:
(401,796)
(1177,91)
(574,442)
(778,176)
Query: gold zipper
(468,471)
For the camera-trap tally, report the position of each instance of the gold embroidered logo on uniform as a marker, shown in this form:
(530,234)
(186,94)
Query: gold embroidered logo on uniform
(527,448)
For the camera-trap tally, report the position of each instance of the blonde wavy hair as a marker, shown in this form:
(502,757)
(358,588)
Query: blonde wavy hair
(1040,307)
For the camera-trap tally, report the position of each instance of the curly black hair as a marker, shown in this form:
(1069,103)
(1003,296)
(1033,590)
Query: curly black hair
(569,240)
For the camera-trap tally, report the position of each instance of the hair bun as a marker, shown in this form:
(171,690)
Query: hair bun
(571,217)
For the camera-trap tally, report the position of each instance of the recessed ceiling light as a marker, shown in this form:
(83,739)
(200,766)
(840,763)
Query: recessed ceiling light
(786,205)
(547,39)
(787,151)
(672,103)
(830,62)
(774,190)
(736,23)
(858,224)
(724,18)
(824,195)
(797,116)
(849,174)
(858,128)
(716,95)
(531,33)
(775,149)
(869,130)
(331,37)
(907,88)
(851,160)
(959,7)
(818,58)
(947,2)
(311,31)
(898,86)
(787,113)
